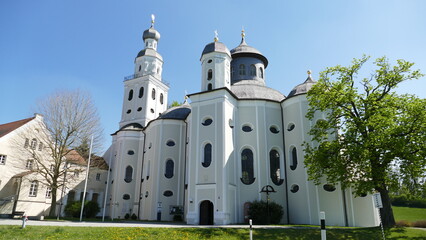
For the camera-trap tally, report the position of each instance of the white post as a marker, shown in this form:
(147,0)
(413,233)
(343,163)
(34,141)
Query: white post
(251,229)
(378,204)
(85,182)
(323,231)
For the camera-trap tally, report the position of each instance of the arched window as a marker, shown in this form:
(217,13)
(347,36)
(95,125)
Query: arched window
(128,176)
(274,167)
(242,70)
(161,98)
(209,87)
(261,72)
(293,157)
(247,169)
(207,159)
(207,122)
(252,70)
(170,165)
(141,92)
(153,94)
(209,74)
(130,94)
(33,143)
(140,67)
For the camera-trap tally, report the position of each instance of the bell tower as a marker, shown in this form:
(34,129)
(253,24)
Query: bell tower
(145,94)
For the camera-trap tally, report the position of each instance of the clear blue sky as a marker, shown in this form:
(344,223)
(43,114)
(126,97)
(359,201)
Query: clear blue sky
(48,44)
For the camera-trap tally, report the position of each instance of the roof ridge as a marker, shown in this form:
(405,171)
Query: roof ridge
(12,126)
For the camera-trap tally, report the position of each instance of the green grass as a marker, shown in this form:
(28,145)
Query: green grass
(409,214)
(53,232)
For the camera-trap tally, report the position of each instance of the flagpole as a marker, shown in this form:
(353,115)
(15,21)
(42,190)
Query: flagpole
(106,188)
(85,182)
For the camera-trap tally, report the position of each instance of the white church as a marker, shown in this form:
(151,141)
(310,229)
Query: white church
(207,159)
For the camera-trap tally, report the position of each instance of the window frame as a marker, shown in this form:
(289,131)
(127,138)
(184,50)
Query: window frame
(207,155)
(128,174)
(33,189)
(169,168)
(247,166)
(3,159)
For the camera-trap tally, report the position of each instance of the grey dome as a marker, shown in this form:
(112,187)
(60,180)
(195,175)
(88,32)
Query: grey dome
(251,89)
(216,47)
(302,88)
(178,112)
(149,52)
(151,33)
(244,50)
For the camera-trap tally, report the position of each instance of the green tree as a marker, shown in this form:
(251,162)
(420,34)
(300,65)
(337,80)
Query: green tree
(367,130)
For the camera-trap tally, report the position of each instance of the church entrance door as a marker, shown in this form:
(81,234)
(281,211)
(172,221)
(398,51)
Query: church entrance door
(206,213)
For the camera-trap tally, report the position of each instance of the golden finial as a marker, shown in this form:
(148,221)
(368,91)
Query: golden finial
(243,35)
(152,20)
(309,73)
(216,36)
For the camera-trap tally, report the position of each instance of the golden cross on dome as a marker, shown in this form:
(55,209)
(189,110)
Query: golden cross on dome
(216,36)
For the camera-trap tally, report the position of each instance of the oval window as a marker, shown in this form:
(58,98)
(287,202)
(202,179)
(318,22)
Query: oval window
(209,61)
(130,94)
(290,126)
(168,193)
(161,98)
(294,188)
(152,110)
(153,94)
(129,111)
(130,152)
(126,196)
(207,122)
(274,129)
(329,188)
(293,159)
(141,92)
(247,128)
(139,109)
(170,143)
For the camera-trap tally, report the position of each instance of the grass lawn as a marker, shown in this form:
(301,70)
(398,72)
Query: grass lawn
(53,232)
(409,214)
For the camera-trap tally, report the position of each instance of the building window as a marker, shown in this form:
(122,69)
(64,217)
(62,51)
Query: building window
(52,167)
(140,68)
(153,94)
(290,127)
(168,193)
(161,98)
(34,144)
(209,87)
(98,177)
(329,187)
(130,94)
(207,158)
(247,128)
(76,173)
(130,152)
(242,70)
(3,159)
(247,169)
(139,109)
(252,70)
(170,143)
(294,188)
(128,176)
(170,165)
(71,196)
(129,111)
(29,164)
(275,168)
(232,72)
(152,110)
(274,129)
(261,72)
(141,92)
(27,143)
(48,192)
(40,146)
(126,196)
(209,74)
(293,159)
(207,122)
(33,189)
(209,61)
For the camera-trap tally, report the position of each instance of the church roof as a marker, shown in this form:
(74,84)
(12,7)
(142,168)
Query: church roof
(151,33)
(244,50)
(251,89)
(9,127)
(149,52)
(216,47)
(302,88)
(179,112)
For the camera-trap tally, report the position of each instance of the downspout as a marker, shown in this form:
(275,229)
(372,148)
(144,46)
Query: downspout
(185,170)
(107,185)
(140,187)
(285,166)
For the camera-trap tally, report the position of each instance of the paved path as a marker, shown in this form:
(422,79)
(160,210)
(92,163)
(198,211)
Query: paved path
(123,224)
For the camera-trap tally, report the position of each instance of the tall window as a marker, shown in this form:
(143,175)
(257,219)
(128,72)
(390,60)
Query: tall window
(141,92)
(3,159)
(293,162)
(71,196)
(34,143)
(33,189)
(98,177)
(161,98)
(128,176)
(30,164)
(48,192)
(247,169)
(261,72)
(252,70)
(130,94)
(242,70)
(170,165)
(209,74)
(153,94)
(209,87)
(27,143)
(274,166)
(40,146)
(207,159)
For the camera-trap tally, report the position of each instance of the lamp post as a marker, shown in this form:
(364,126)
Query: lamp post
(267,189)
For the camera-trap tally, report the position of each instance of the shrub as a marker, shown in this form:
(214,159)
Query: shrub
(91,209)
(134,217)
(403,223)
(127,216)
(73,209)
(401,200)
(177,218)
(258,212)
(417,203)
(420,224)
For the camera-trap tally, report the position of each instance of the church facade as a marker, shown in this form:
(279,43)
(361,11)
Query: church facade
(206,160)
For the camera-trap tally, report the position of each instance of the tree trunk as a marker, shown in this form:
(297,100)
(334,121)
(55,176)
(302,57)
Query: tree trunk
(52,212)
(386,212)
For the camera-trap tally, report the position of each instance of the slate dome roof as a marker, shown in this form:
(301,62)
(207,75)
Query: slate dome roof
(251,89)
(151,33)
(216,47)
(179,112)
(302,88)
(244,50)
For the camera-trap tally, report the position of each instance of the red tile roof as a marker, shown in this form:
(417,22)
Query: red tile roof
(9,127)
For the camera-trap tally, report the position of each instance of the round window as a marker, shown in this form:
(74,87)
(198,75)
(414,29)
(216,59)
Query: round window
(130,152)
(291,126)
(126,196)
(207,122)
(247,128)
(168,193)
(170,143)
(329,188)
(274,129)
(294,188)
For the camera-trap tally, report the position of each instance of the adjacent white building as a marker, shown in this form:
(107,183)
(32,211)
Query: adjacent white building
(208,159)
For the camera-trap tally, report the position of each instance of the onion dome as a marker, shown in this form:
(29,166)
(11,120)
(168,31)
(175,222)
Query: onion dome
(151,32)
(303,88)
(216,46)
(244,50)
